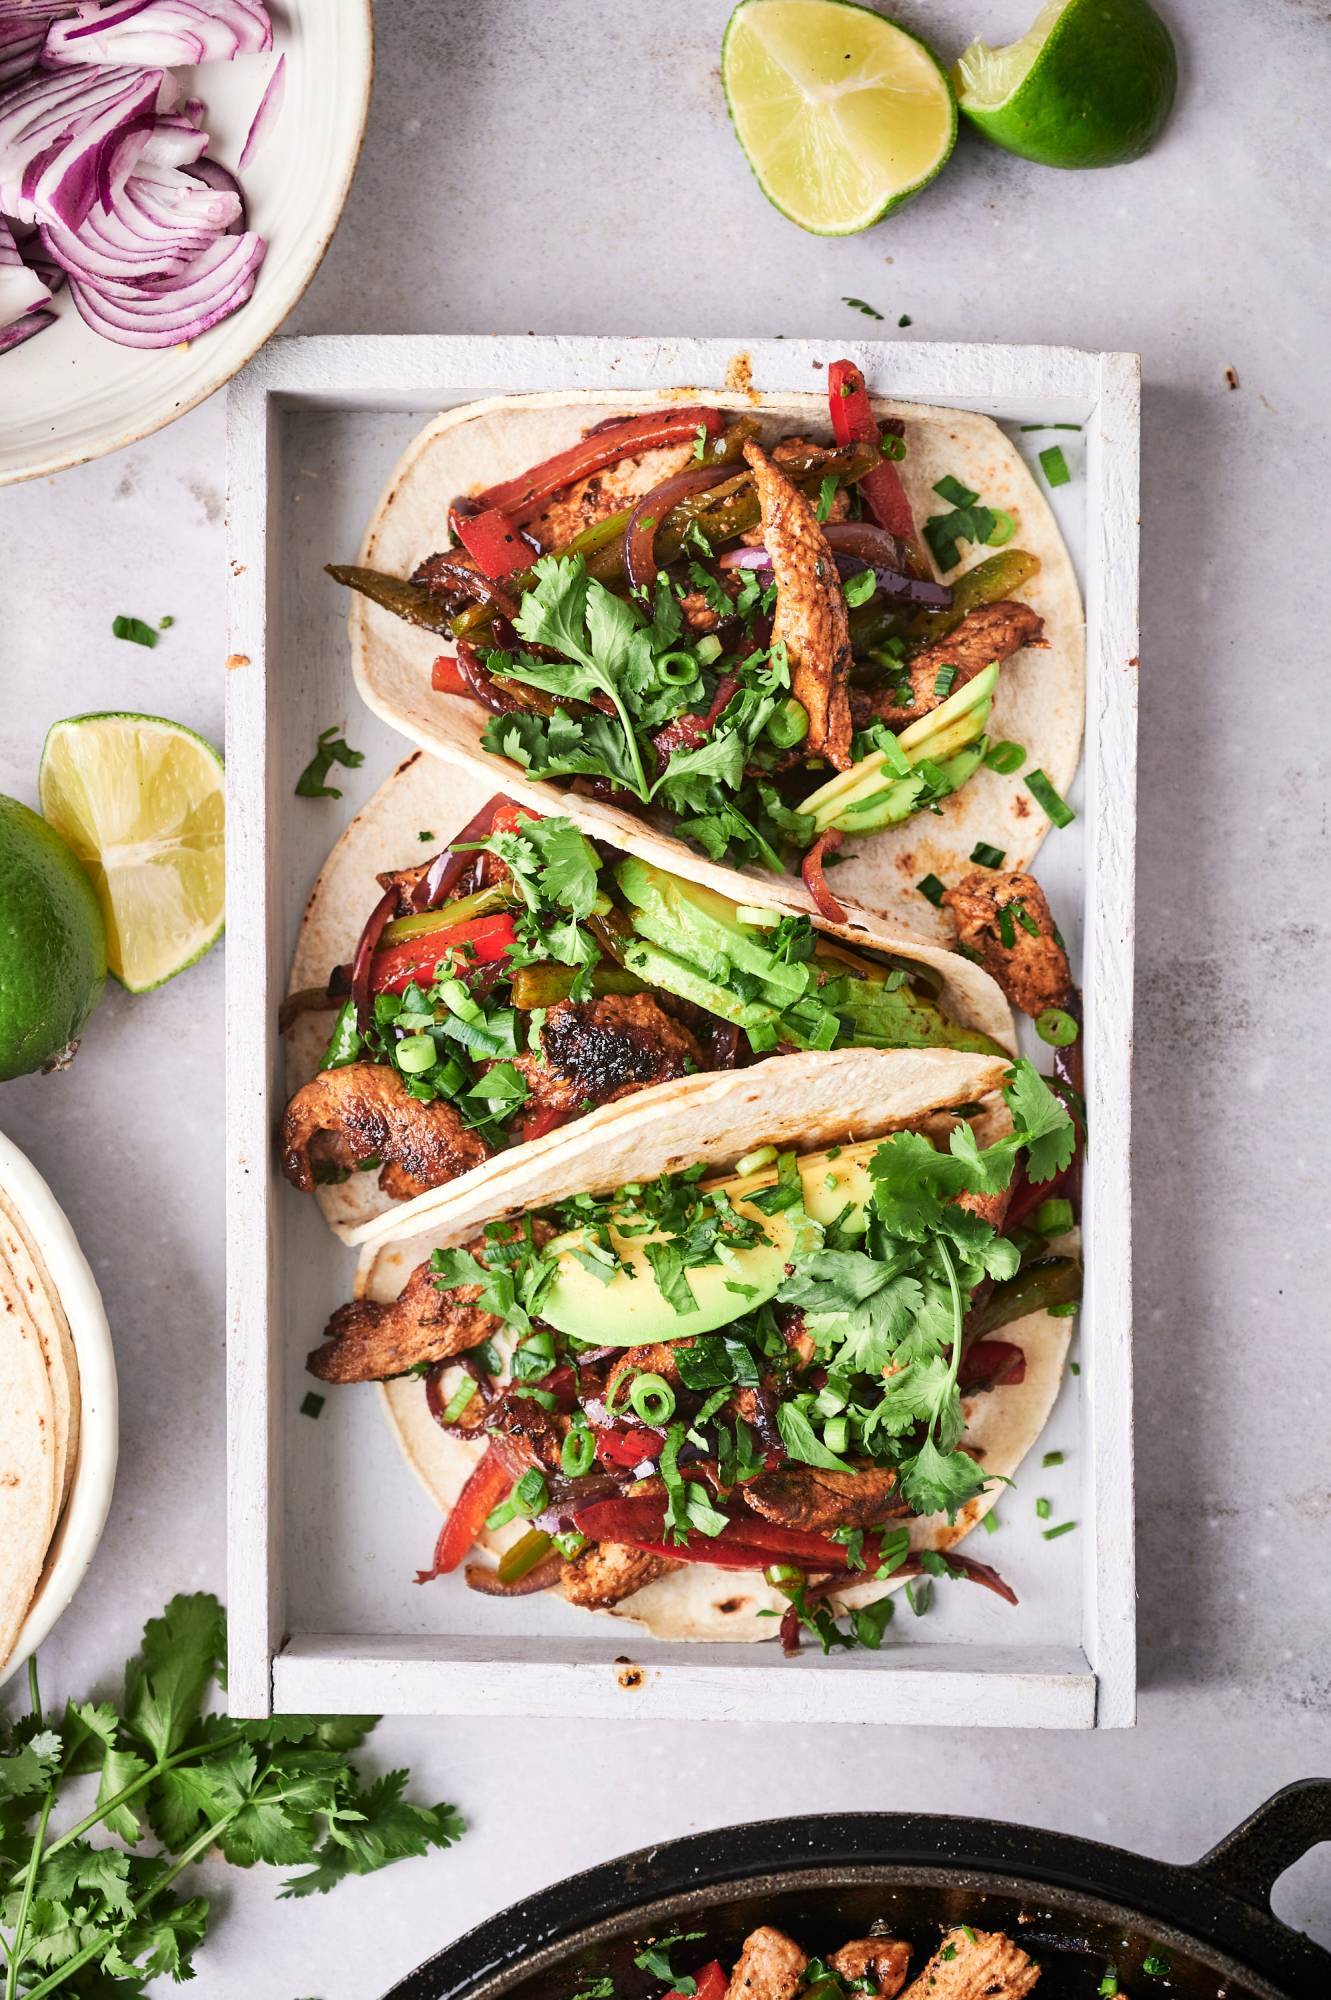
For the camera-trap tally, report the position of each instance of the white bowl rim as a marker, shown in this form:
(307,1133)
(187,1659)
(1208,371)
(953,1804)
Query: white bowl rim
(89,1503)
(62,459)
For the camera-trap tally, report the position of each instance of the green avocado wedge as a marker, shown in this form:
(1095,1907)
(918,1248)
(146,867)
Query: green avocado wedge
(631,1310)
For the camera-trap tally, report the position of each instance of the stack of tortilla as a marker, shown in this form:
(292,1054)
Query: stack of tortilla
(39,1422)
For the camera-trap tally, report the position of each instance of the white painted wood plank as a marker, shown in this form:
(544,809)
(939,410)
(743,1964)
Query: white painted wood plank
(1015,1688)
(1029,1685)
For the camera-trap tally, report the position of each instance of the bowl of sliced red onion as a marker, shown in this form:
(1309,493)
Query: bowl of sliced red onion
(171,173)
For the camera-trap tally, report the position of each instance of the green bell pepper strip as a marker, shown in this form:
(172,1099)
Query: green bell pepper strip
(989,582)
(1054,1281)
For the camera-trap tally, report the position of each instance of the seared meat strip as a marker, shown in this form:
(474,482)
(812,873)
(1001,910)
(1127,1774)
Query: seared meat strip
(883,1960)
(770,1966)
(604,1049)
(536,1435)
(655,1360)
(608,1572)
(810,616)
(1033,969)
(364,1110)
(806,1496)
(367,1341)
(990,632)
(975,1965)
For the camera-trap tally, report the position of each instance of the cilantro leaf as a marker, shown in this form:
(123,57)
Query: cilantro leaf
(331,749)
(166,1682)
(802,1441)
(936,1482)
(1044,1124)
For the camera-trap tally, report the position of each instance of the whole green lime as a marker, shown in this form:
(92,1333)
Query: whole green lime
(52,945)
(1090,84)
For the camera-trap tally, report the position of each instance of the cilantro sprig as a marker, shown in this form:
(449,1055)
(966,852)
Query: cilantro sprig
(108,1919)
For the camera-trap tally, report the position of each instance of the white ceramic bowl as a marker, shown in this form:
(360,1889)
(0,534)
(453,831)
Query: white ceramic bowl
(67,394)
(89,1502)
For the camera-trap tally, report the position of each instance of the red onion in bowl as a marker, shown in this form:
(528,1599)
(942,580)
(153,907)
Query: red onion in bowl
(266,115)
(651,510)
(20,45)
(21,289)
(160,33)
(24,328)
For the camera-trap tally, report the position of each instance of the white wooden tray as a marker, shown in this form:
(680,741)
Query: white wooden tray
(326,1526)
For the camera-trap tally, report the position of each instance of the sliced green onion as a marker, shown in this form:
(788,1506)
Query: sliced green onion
(990,1522)
(1050,427)
(577,1451)
(1053,1218)
(952,490)
(788,725)
(933,889)
(1063,1528)
(1007,930)
(1005,757)
(826,495)
(836,1434)
(755,919)
(570,1544)
(943,680)
(652,1398)
(677,669)
(1060,1030)
(1068,1310)
(986,856)
(1074,1367)
(311,1404)
(1040,789)
(415,1054)
(1054,465)
(1043,1509)
(761,1156)
(1052,1458)
(708,649)
(459,1400)
(1004,528)
(860,587)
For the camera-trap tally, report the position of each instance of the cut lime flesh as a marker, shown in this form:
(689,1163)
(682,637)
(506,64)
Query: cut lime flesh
(140,801)
(842,114)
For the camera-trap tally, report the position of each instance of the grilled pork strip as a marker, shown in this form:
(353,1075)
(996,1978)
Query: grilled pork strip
(810,618)
(975,1965)
(990,632)
(363,1111)
(883,1960)
(1033,970)
(770,1966)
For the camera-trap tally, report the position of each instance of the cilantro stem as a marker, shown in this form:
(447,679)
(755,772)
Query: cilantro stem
(99,1813)
(957,1316)
(98,1945)
(17,1950)
(34,1690)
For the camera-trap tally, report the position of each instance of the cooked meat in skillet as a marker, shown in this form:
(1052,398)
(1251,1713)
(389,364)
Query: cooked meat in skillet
(990,632)
(883,1960)
(975,1965)
(369,1340)
(1023,953)
(810,616)
(364,1111)
(806,1496)
(608,1572)
(603,1049)
(770,1966)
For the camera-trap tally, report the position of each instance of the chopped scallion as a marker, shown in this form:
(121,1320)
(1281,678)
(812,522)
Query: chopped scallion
(1054,465)
(1040,789)
(986,856)
(932,888)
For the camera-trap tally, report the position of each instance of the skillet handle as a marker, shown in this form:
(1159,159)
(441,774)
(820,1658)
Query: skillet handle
(1250,1860)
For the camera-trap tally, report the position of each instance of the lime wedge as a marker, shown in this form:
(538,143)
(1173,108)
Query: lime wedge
(140,801)
(1090,84)
(842,114)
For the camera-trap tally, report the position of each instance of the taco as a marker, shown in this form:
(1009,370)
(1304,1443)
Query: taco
(736,624)
(760,1348)
(461,1002)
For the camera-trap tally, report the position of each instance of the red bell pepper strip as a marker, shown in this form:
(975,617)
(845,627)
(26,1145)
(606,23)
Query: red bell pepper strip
(853,422)
(991,1364)
(626,1446)
(524,496)
(547,1119)
(490,1482)
(487,940)
(445,678)
(709,1984)
(494,542)
(746,1542)
(509,817)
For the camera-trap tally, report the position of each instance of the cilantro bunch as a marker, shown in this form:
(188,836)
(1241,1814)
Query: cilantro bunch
(104,1919)
(886,1310)
(640,670)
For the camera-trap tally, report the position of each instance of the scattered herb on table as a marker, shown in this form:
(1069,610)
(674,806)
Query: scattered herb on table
(331,749)
(107,1920)
(905,320)
(136,630)
(1054,465)
(862,306)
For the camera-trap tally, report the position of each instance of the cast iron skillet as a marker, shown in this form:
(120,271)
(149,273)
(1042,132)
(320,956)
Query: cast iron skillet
(1076,1905)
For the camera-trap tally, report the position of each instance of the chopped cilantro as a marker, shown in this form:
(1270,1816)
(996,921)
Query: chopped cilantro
(331,749)
(862,306)
(311,1404)
(932,888)
(136,630)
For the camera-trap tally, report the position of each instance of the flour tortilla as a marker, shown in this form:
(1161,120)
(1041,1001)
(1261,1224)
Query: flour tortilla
(23,1271)
(1041,692)
(426,795)
(805,1106)
(29,1481)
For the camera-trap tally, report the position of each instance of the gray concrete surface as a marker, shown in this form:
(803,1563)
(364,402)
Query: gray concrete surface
(570,169)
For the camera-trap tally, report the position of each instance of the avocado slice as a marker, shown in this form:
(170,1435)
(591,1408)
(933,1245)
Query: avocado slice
(686,918)
(631,1310)
(878,790)
(655,966)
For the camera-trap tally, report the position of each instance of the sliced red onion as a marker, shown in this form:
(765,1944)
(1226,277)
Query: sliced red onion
(744,558)
(155,227)
(858,545)
(57,132)
(23,329)
(21,290)
(441,878)
(363,962)
(811,868)
(149,34)
(651,510)
(266,116)
(20,45)
(222,181)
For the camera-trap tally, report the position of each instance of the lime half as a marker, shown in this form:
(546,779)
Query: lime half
(842,114)
(1090,84)
(140,801)
(52,945)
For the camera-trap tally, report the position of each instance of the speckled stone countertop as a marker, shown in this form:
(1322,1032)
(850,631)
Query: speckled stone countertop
(570,169)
